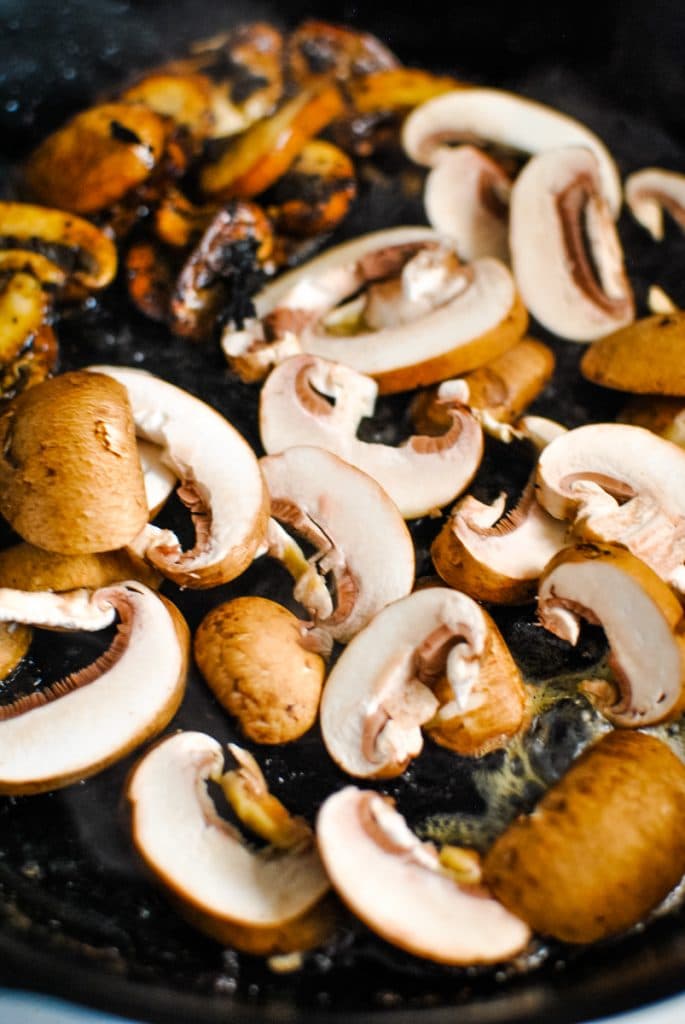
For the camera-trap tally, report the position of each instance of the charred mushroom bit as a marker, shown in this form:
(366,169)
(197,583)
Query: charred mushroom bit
(266,380)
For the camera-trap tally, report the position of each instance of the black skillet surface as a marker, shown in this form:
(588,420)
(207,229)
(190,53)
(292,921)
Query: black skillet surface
(77,917)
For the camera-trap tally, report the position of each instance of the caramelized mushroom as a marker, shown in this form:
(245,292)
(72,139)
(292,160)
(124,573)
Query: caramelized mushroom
(318,51)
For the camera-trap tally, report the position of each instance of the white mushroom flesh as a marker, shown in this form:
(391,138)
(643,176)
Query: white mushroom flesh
(159,478)
(651,191)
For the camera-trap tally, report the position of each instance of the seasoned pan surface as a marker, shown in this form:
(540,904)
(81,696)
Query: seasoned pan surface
(77,916)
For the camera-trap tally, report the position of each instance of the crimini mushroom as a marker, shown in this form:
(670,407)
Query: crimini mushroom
(663,415)
(466,197)
(651,191)
(566,254)
(643,622)
(602,848)
(25,567)
(251,652)
(421,475)
(220,480)
(268,901)
(398,887)
(645,357)
(506,121)
(420,316)
(92,718)
(621,484)
(380,691)
(70,479)
(358,534)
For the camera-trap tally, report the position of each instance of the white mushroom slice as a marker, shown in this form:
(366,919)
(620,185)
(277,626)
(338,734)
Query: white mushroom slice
(622,484)
(420,476)
(159,478)
(557,209)
(90,719)
(466,197)
(360,536)
(643,622)
(259,901)
(397,886)
(507,121)
(651,191)
(379,693)
(539,430)
(220,480)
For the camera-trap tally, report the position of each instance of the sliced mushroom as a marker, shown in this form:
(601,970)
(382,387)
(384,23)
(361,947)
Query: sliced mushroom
(358,534)
(419,476)
(24,306)
(315,194)
(379,693)
(92,718)
(160,479)
(643,622)
(220,480)
(466,196)
(15,640)
(320,51)
(397,886)
(187,99)
(496,557)
(566,254)
(651,191)
(507,121)
(261,902)
(620,484)
(645,357)
(150,279)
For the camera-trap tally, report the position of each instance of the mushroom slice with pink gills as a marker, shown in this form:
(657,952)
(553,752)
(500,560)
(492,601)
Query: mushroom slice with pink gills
(398,887)
(650,192)
(620,484)
(358,533)
(558,212)
(421,475)
(643,622)
(397,305)
(220,481)
(266,901)
(92,718)
(381,690)
(508,122)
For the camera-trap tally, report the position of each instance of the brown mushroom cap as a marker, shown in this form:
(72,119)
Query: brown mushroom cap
(603,847)
(70,478)
(25,567)
(15,640)
(251,654)
(645,357)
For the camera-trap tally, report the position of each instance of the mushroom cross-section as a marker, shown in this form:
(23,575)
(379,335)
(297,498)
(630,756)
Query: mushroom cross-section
(566,254)
(397,886)
(261,902)
(380,691)
(643,622)
(358,533)
(92,718)
(651,191)
(421,475)
(220,481)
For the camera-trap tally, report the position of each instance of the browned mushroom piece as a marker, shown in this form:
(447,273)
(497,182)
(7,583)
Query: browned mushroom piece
(602,848)
(97,157)
(24,308)
(70,477)
(651,191)
(315,194)
(186,99)
(179,222)
(645,357)
(15,640)
(252,654)
(318,51)
(150,280)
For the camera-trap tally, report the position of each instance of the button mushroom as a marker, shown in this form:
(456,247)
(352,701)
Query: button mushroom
(651,191)
(566,254)
(261,902)
(92,718)
(419,476)
(220,481)
(643,622)
(397,886)
(358,534)
(25,567)
(645,357)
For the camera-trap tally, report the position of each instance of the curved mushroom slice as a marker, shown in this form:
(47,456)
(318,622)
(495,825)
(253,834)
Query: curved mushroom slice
(359,536)
(92,718)
(493,557)
(566,254)
(509,122)
(643,622)
(262,902)
(160,479)
(220,481)
(315,194)
(645,357)
(379,692)
(397,886)
(24,307)
(466,197)
(651,191)
(419,476)
(319,51)
(620,484)
(187,99)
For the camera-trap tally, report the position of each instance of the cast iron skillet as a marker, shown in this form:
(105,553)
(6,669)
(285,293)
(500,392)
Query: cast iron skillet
(77,917)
